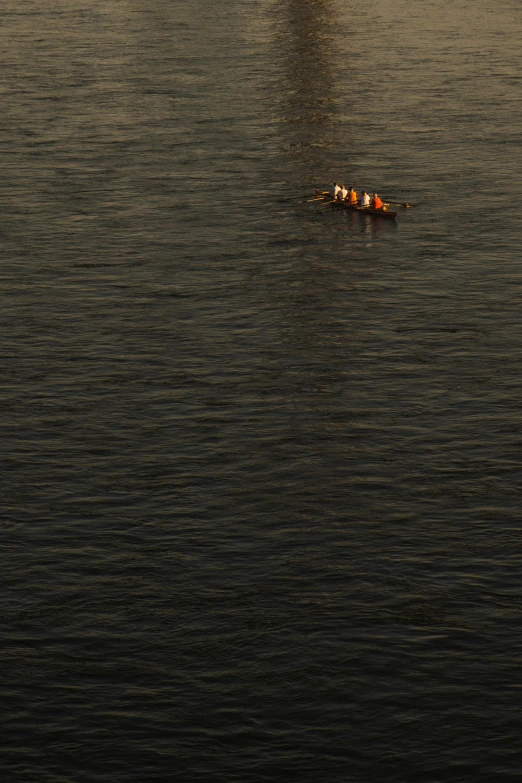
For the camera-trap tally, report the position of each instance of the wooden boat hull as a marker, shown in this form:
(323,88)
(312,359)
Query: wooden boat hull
(385,213)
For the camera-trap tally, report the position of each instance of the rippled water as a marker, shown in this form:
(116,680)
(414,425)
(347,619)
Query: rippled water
(261,459)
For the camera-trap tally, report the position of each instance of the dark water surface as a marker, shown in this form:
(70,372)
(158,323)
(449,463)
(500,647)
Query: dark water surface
(262,461)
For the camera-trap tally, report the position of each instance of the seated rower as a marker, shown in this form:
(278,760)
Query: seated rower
(337,189)
(352,197)
(344,193)
(365,199)
(376,202)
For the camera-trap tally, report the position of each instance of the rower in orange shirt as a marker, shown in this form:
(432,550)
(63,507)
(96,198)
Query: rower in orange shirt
(352,197)
(376,202)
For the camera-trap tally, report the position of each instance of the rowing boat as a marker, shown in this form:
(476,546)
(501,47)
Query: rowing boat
(385,213)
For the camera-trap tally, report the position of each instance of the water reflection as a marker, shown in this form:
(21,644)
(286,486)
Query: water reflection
(319,248)
(371,226)
(308,108)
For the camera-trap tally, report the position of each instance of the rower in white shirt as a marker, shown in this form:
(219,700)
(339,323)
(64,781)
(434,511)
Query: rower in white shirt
(344,193)
(337,189)
(365,199)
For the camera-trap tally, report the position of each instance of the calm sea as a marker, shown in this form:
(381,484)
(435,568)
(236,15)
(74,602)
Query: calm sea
(261,459)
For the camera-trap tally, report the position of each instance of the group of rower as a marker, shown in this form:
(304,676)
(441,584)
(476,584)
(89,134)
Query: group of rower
(350,196)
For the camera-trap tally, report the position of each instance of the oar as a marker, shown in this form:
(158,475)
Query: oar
(318,196)
(401,204)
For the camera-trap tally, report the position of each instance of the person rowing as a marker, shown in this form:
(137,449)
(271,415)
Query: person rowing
(365,200)
(343,194)
(376,202)
(352,197)
(337,189)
